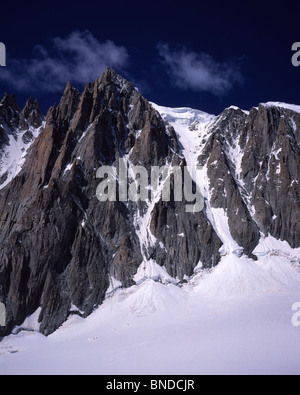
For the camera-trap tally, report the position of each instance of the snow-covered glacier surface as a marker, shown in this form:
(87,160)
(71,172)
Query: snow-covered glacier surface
(235,319)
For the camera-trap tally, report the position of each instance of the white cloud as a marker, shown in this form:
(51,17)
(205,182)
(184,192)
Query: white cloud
(80,58)
(199,71)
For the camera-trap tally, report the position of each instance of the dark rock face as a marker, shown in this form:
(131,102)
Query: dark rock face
(14,120)
(9,116)
(186,239)
(273,144)
(253,167)
(60,246)
(31,115)
(223,174)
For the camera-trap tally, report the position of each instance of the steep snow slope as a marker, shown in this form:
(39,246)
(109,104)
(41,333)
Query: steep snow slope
(191,127)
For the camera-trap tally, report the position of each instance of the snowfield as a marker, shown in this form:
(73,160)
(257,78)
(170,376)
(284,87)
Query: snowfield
(235,319)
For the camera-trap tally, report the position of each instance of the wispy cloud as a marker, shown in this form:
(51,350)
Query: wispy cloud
(79,57)
(199,71)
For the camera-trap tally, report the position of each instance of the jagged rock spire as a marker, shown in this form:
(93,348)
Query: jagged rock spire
(31,114)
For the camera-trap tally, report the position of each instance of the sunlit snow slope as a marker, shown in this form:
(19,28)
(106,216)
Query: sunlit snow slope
(191,127)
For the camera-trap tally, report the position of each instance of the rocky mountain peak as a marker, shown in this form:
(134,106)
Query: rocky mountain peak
(61,247)
(65,244)
(31,115)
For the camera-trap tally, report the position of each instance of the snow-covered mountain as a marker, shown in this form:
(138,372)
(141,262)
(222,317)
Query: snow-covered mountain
(100,272)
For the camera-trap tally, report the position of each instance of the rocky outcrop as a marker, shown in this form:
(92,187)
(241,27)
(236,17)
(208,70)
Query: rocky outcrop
(31,115)
(273,143)
(253,167)
(184,240)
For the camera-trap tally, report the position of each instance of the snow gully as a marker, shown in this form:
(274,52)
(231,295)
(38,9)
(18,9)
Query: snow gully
(2,55)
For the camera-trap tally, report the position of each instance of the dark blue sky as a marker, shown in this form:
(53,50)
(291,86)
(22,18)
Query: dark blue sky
(207,55)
